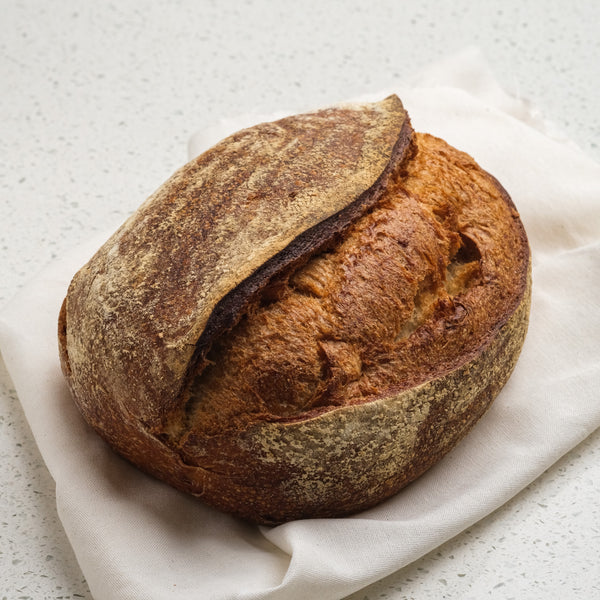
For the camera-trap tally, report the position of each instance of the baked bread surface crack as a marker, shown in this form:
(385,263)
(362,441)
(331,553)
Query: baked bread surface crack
(412,285)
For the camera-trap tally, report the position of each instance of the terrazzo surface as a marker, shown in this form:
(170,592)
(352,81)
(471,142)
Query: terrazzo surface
(98,98)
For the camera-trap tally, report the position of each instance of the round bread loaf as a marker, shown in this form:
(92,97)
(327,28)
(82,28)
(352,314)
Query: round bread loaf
(303,319)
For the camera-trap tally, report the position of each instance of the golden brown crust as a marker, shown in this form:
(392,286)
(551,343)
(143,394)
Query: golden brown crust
(383,299)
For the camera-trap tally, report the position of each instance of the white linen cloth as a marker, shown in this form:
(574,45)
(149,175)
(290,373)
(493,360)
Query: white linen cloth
(135,537)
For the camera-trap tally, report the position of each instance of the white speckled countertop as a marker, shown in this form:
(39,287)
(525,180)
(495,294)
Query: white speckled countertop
(98,98)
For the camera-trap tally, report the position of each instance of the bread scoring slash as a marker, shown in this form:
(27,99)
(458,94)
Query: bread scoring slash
(303,319)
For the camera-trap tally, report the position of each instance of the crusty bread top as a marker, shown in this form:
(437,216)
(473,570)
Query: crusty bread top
(303,319)
(184,266)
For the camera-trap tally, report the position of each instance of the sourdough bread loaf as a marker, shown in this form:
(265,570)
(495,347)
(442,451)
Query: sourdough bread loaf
(303,319)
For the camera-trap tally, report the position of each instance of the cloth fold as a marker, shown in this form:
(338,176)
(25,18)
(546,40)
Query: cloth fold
(135,537)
